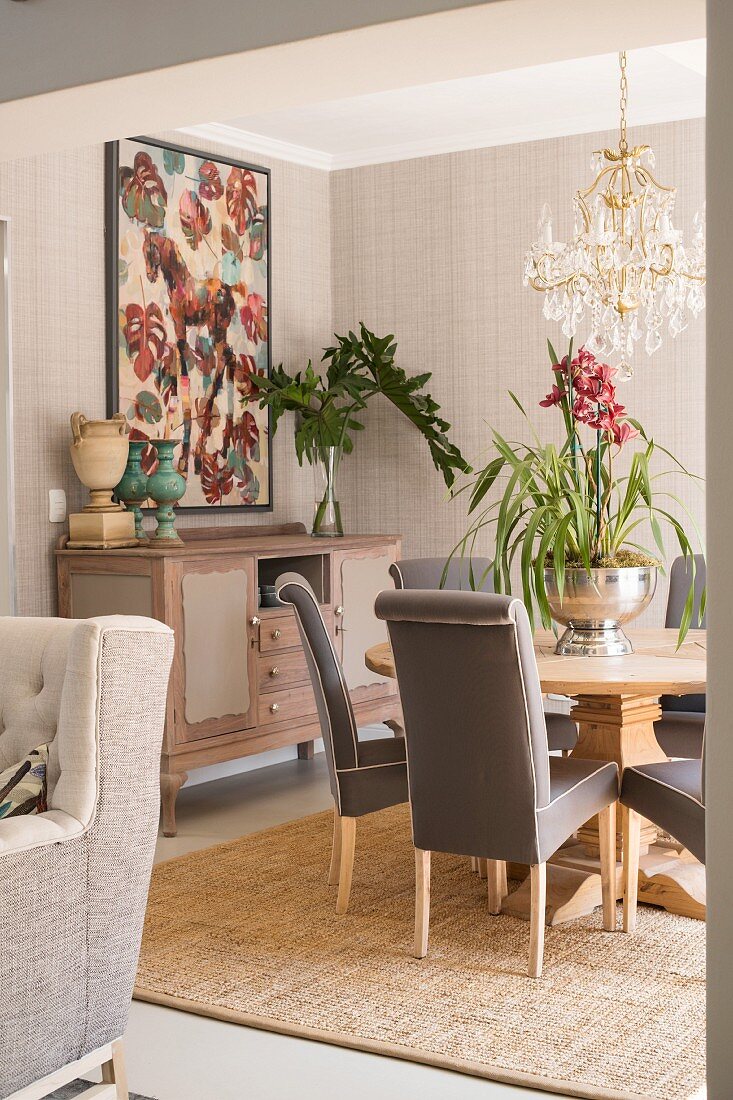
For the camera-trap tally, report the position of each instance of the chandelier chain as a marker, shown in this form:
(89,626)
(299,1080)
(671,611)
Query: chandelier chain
(623,145)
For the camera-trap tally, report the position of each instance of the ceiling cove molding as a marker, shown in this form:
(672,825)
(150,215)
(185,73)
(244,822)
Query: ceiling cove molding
(260,145)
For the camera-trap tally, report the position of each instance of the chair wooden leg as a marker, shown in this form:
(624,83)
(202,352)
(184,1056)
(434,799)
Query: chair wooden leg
(631,839)
(346,863)
(607,843)
(504,883)
(422,902)
(482,871)
(333,870)
(538,876)
(494,884)
(113,1072)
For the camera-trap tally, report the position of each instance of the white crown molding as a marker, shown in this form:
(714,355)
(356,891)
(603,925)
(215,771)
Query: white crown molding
(261,145)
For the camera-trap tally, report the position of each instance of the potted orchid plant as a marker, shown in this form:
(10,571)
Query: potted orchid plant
(570,517)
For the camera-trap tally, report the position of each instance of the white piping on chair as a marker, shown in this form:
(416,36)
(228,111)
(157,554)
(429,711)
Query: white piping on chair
(529,727)
(323,693)
(606,764)
(395,565)
(675,790)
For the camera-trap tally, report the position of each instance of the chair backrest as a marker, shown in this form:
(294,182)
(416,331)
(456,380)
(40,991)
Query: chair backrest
(428,573)
(477,757)
(679,587)
(335,713)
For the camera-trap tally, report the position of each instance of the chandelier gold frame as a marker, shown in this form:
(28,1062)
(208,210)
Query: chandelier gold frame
(623,246)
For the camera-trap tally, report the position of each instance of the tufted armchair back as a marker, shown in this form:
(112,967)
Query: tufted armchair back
(74,879)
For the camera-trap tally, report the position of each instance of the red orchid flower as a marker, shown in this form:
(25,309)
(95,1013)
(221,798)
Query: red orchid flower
(554,397)
(583,409)
(623,432)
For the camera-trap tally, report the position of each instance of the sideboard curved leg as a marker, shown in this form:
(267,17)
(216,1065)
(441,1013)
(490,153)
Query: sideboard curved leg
(170,785)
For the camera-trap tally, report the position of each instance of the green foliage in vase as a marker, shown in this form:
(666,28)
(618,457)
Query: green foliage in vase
(568,506)
(329,406)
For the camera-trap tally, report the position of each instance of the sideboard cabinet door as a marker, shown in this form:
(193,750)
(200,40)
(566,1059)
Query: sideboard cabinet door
(213,606)
(358,577)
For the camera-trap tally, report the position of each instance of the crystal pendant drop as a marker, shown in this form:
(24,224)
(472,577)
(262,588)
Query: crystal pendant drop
(625,371)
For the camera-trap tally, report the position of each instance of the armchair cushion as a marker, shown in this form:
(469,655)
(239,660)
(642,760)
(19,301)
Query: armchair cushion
(23,786)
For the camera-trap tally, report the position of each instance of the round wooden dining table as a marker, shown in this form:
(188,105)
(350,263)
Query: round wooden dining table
(615,701)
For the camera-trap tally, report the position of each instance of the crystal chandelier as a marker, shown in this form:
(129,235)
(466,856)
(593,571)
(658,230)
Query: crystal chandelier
(626,267)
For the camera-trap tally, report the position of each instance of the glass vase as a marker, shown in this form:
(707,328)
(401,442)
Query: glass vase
(327,516)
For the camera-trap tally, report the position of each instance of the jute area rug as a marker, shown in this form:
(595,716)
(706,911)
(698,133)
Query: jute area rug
(247,932)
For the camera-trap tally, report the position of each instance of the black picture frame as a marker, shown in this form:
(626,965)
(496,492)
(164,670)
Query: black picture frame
(111,233)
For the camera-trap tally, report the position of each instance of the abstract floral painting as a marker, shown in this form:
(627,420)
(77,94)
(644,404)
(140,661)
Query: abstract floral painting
(188,289)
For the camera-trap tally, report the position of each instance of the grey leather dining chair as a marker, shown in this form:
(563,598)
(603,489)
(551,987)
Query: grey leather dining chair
(482,782)
(365,776)
(672,795)
(427,573)
(680,729)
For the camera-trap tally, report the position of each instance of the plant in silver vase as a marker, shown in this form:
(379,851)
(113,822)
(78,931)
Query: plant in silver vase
(570,517)
(329,409)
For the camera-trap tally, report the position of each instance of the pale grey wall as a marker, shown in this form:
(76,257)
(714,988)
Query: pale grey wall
(50,44)
(720,542)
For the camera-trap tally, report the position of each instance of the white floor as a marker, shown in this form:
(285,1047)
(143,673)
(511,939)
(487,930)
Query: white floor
(176,1056)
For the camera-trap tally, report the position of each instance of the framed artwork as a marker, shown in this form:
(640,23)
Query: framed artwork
(188,295)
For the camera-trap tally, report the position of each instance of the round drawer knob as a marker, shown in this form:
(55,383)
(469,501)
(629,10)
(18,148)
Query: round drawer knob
(274,708)
(276,634)
(339,610)
(275,671)
(255,620)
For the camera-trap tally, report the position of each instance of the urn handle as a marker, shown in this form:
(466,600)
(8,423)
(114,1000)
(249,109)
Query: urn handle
(121,422)
(78,420)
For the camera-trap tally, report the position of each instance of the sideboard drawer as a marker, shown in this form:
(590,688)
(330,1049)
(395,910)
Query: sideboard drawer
(281,632)
(280,670)
(287,706)
(278,633)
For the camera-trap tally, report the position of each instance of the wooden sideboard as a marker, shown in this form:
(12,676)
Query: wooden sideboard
(239,683)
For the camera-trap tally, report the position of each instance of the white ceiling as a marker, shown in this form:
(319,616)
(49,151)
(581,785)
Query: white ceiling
(565,97)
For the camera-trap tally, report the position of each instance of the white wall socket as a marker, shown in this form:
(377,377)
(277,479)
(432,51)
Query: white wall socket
(56,505)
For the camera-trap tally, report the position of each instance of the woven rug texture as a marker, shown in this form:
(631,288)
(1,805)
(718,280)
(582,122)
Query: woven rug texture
(247,931)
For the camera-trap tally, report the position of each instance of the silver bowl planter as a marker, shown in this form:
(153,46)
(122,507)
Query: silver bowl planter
(594,606)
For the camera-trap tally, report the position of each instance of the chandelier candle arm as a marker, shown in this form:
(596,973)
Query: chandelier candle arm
(626,269)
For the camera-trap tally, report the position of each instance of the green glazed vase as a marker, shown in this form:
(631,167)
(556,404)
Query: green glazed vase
(132,488)
(165,487)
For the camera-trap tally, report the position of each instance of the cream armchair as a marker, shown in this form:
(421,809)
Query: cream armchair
(74,880)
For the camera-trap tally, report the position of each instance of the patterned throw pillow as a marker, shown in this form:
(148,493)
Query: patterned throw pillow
(23,786)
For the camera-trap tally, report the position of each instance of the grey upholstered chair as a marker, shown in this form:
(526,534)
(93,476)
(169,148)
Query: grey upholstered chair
(365,775)
(481,780)
(74,879)
(680,729)
(427,573)
(672,795)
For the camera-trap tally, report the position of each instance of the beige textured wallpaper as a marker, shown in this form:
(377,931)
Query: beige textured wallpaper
(429,249)
(56,204)
(432,251)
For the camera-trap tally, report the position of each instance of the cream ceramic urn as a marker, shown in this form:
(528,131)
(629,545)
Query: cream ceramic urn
(99,451)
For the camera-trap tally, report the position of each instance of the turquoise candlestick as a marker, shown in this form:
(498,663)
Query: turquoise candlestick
(165,487)
(132,488)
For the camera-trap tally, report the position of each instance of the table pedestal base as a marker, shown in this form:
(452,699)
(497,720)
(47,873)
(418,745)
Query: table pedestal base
(674,881)
(619,728)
